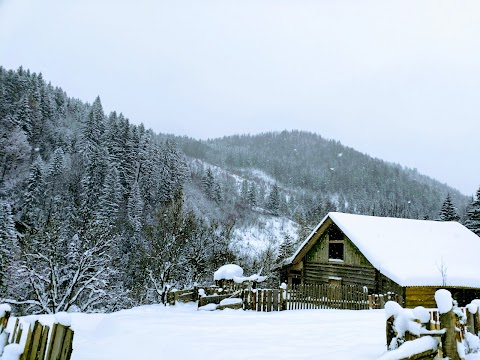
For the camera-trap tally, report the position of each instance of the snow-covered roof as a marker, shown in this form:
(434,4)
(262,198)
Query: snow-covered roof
(411,252)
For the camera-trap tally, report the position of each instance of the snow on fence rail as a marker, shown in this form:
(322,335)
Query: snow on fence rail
(39,343)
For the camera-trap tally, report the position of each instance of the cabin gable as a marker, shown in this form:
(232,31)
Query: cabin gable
(334,259)
(326,249)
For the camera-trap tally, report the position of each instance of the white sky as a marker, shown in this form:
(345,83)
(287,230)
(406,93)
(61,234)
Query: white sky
(399,80)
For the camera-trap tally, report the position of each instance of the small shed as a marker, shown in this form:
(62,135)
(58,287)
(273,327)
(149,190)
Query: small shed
(411,258)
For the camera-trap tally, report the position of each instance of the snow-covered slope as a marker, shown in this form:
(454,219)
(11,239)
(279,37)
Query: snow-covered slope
(266,231)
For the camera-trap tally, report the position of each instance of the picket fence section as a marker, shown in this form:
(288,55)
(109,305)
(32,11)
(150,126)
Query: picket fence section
(304,296)
(42,343)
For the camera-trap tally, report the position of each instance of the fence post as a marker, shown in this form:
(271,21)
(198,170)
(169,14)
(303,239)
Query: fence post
(33,344)
(390,331)
(19,334)
(471,320)
(275,299)
(381,301)
(449,339)
(269,300)
(476,320)
(259,299)
(444,302)
(4,335)
(43,343)
(4,318)
(283,298)
(265,303)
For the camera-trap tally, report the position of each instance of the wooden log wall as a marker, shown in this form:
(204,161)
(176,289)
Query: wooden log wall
(319,273)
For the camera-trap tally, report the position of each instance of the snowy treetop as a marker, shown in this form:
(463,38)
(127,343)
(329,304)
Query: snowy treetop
(413,252)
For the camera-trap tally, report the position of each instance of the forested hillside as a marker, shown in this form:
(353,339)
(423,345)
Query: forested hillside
(92,206)
(315,175)
(97,213)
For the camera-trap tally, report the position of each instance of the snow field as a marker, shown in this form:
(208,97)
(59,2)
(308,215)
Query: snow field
(180,332)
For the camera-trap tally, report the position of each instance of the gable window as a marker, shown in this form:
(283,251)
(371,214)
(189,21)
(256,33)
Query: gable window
(335,250)
(336,245)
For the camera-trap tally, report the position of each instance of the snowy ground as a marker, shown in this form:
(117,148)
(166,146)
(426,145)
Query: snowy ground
(183,332)
(180,332)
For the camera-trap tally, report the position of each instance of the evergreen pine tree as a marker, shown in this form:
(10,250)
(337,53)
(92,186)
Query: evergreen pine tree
(252,195)
(110,198)
(33,197)
(286,248)
(473,215)
(135,208)
(448,211)
(93,129)
(273,204)
(244,192)
(217,194)
(8,245)
(54,183)
(209,184)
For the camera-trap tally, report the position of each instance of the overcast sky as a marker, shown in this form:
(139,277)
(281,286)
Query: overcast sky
(399,80)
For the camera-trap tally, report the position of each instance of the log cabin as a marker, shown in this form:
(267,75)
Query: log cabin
(411,258)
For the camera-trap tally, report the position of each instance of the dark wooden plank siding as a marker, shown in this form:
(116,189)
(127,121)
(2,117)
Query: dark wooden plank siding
(319,273)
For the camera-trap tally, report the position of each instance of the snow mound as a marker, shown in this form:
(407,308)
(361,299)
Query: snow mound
(254,277)
(231,301)
(392,309)
(63,318)
(421,314)
(228,272)
(472,308)
(12,352)
(411,348)
(444,301)
(208,307)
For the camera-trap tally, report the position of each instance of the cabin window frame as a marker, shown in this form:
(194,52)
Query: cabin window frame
(336,250)
(336,244)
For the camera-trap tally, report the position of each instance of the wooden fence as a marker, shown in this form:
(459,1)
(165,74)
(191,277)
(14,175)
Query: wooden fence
(377,301)
(321,296)
(42,343)
(449,328)
(305,296)
(264,299)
